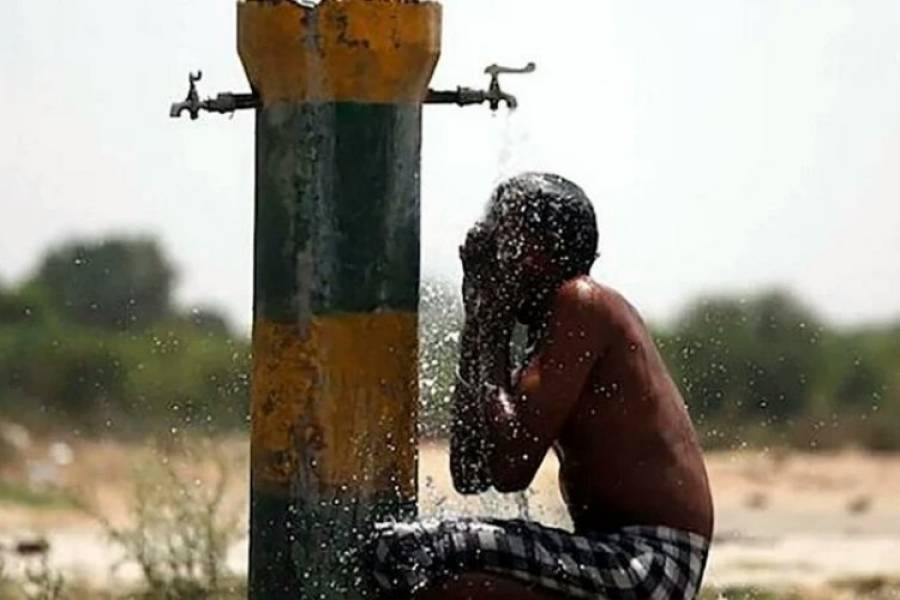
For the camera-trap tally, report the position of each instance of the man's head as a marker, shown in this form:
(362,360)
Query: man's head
(546,222)
(543,230)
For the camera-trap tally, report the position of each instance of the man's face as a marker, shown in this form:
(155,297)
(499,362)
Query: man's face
(523,261)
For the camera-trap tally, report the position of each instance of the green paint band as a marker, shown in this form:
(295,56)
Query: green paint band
(337,211)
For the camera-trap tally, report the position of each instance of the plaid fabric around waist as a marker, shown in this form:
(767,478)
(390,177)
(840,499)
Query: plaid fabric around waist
(631,563)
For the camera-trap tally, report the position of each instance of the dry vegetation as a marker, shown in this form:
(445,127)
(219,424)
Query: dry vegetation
(167,519)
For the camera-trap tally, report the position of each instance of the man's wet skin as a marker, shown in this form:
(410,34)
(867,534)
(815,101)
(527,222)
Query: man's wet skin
(627,450)
(628,453)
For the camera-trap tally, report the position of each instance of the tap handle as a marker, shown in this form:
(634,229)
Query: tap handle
(191,102)
(496,95)
(496,70)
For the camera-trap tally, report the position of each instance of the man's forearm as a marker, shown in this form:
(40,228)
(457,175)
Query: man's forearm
(493,351)
(468,450)
(509,442)
(498,406)
(468,350)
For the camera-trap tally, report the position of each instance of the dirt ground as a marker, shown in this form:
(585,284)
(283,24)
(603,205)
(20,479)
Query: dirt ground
(783,518)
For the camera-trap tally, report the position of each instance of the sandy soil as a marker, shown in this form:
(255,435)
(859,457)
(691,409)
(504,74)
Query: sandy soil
(782,518)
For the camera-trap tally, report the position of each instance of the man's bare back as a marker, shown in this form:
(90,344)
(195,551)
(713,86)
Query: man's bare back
(628,453)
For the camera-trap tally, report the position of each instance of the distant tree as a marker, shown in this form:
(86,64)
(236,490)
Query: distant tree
(64,362)
(863,367)
(10,308)
(756,358)
(207,320)
(114,284)
(28,304)
(787,355)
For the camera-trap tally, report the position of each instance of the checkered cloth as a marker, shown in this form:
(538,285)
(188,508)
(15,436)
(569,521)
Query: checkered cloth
(631,563)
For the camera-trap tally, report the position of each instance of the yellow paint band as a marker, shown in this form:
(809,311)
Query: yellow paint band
(337,403)
(382,51)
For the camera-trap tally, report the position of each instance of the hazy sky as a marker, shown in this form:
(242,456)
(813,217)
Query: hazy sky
(728,145)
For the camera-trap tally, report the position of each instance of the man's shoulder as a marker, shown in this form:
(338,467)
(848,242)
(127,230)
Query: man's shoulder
(584,297)
(587,294)
(581,302)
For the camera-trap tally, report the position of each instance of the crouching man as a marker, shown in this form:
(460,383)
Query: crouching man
(594,389)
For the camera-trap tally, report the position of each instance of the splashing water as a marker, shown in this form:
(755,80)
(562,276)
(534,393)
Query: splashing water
(512,139)
(441,323)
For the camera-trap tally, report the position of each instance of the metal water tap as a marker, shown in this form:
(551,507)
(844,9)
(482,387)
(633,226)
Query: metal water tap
(494,95)
(462,96)
(222,103)
(191,102)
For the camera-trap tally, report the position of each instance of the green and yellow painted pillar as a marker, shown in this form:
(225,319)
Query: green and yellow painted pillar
(336,283)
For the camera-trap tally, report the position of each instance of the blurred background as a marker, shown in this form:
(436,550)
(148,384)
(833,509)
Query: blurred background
(741,159)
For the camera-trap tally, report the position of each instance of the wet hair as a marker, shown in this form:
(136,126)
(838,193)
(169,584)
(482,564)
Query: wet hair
(555,211)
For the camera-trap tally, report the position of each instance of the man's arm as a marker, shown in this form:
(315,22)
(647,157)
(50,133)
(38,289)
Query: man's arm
(524,419)
(468,433)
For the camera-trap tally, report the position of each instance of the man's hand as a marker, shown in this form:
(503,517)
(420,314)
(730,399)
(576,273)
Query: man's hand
(487,281)
(476,254)
(478,249)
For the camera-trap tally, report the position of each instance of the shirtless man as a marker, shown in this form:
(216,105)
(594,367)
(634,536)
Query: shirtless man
(592,387)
